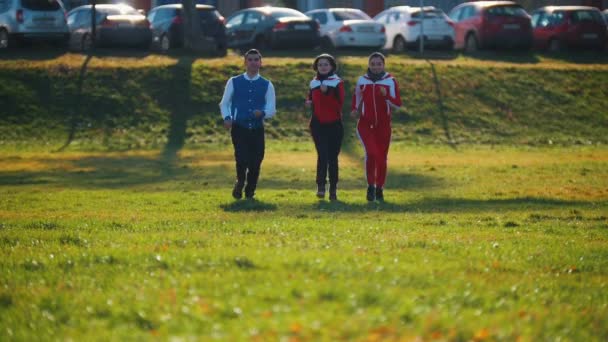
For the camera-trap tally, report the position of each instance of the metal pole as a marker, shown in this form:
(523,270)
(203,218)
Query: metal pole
(421,26)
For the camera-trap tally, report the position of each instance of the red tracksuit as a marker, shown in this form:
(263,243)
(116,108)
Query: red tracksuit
(374,101)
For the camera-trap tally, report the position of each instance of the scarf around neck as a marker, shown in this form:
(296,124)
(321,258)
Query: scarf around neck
(375,77)
(324,77)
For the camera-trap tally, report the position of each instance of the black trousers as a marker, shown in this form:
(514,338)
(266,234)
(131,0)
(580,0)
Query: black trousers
(248,154)
(328,141)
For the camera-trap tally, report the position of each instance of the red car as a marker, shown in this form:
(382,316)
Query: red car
(559,27)
(485,24)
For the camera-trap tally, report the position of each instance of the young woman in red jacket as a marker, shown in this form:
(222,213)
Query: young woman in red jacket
(376,95)
(326,97)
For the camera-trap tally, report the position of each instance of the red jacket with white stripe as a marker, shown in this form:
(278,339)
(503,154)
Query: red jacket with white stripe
(327,107)
(374,103)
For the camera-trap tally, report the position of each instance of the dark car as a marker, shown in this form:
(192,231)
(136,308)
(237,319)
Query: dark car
(167,25)
(116,25)
(559,27)
(271,27)
(485,24)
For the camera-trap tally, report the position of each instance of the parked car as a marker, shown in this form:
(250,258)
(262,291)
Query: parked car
(404,26)
(485,24)
(116,25)
(166,23)
(559,27)
(271,27)
(348,27)
(32,20)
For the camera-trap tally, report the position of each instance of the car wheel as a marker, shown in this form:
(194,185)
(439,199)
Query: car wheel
(86,44)
(470,44)
(555,45)
(399,44)
(165,43)
(326,43)
(3,39)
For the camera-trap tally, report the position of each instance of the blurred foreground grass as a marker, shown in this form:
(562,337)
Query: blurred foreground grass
(480,243)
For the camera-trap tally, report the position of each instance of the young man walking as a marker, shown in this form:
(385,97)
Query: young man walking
(248,99)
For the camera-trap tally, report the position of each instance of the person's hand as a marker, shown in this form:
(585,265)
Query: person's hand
(228,124)
(354,114)
(323,88)
(258,113)
(307,103)
(383,91)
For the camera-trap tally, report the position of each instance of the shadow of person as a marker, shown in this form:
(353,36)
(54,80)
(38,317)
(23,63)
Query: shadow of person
(345,207)
(249,205)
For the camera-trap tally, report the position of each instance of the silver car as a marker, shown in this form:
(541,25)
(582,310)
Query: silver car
(32,20)
(348,27)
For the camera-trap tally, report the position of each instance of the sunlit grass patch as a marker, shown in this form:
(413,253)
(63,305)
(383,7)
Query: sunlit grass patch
(474,243)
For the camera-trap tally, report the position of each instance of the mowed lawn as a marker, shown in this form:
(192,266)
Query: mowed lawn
(479,243)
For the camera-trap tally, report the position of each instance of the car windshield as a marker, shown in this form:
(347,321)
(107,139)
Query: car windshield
(41,5)
(208,14)
(286,13)
(428,14)
(117,10)
(507,11)
(348,15)
(586,16)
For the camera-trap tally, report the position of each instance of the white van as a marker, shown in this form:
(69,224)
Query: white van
(32,20)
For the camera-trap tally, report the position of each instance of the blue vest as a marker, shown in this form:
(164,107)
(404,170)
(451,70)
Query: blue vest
(247,97)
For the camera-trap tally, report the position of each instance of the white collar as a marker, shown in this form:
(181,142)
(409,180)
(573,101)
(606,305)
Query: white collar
(252,78)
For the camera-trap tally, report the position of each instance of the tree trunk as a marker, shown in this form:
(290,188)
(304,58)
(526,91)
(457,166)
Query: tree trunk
(193,36)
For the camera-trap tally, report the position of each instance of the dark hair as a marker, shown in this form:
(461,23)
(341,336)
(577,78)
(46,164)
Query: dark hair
(252,52)
(376,55)
(330,58)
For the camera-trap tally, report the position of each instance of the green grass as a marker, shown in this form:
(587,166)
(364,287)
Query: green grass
(479,243)
(130,233)
(119,102)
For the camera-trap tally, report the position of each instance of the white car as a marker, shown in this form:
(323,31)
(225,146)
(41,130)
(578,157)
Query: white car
(348,27)
(42,20)
(403,26)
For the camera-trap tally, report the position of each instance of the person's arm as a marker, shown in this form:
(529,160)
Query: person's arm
(270,108)
(341,94)
(394,97)
(226,102)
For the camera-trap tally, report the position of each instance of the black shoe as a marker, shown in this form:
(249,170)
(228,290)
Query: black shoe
(249,195)
(320,191)
(371,193)
(237,191)
(379,194)
(333,192)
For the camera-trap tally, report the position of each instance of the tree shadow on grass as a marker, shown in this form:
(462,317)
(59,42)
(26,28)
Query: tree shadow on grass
(446,205)
(249,206)
(464,205)
(110,172)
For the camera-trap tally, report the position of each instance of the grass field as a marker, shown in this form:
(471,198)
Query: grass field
(479,243)
(116,220)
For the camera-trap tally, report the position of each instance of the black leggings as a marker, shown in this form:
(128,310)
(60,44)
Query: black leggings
(328,141)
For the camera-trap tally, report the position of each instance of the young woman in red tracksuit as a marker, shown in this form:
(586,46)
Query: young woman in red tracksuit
(376,94)
(326,96)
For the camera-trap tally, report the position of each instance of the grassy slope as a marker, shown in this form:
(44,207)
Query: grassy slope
(150,102)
